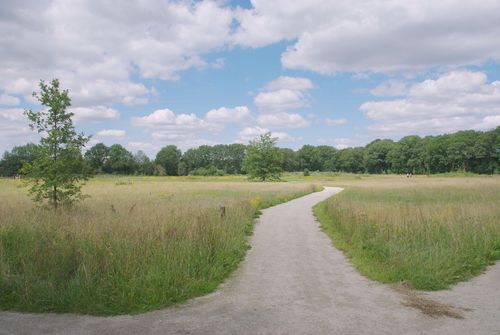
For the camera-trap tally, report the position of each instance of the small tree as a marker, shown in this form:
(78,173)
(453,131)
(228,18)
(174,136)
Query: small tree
(58,169)
(263,160)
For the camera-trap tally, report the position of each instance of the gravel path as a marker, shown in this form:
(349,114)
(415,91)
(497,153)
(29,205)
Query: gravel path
(292,281)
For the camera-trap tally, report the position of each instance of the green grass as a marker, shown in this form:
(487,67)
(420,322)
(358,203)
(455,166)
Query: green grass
(427,232)
(136,244)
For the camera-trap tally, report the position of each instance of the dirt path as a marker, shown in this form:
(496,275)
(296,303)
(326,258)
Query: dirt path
(292,282)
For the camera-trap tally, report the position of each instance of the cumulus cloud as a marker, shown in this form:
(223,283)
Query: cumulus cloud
(94,114)
(282,120)
(290,83)
(9,100)
(374,36)
(335,122)
(284,93)
(165,119)
(248,134)
(183,130)
(117,133)
(95,47)
(282,99)
(455,100)
(228,115)
(14,129)
(278,98)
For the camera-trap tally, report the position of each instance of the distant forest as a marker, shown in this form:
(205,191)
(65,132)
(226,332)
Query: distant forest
(465,151)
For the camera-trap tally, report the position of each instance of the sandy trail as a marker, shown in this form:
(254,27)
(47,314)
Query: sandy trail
(292,281)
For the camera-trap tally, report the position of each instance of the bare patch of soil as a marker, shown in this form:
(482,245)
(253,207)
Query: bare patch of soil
(416,299)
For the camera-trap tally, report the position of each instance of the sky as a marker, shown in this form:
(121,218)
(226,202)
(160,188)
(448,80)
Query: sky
(149,73)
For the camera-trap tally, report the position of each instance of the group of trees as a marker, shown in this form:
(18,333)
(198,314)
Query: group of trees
(56,166)
(205,160)
(468,151)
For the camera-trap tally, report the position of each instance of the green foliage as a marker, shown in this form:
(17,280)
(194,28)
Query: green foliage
(211,171)
(291,161)
(306,172)
(430,236)
(263,159)
(375,156)
(225,157)
(58,168)
(144,165)
(182,169)
(159,170)
(309,158)
(169,157)
(96,157)
(464,151)
(161,243)
(120,161)
(13,161)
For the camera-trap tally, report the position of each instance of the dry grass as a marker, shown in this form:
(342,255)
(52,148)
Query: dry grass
(136,244)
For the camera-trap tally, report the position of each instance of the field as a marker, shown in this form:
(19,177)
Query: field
(143,243)
(427,232)
(136,244)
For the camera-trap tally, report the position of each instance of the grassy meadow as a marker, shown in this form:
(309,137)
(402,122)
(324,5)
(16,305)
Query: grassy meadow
(136,244)
(428,232)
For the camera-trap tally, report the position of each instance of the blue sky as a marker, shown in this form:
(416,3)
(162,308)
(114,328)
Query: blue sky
(151,73)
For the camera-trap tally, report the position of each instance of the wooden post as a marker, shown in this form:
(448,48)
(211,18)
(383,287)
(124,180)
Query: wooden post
(222,212)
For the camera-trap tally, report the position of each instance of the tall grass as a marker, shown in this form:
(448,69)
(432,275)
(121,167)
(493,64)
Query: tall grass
(428,232)
(137,244)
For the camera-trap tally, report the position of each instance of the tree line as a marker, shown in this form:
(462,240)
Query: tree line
(466,151)
(56,167)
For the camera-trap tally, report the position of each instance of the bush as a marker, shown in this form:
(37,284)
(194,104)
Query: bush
(211,171)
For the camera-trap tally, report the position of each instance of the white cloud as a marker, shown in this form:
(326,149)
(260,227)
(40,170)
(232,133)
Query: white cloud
(14,129)
(281,100)
(489,122)
(290,83)
(117,133)
(149,148)
(282,120)
(183,130)
(342,142)
(228,115)
(335,122)
(167,120)
(248,134)
(285,137)
(95,49)
(455,100)
(284,93)
(94,114)
(278,97)
(374,36)
(9,100)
